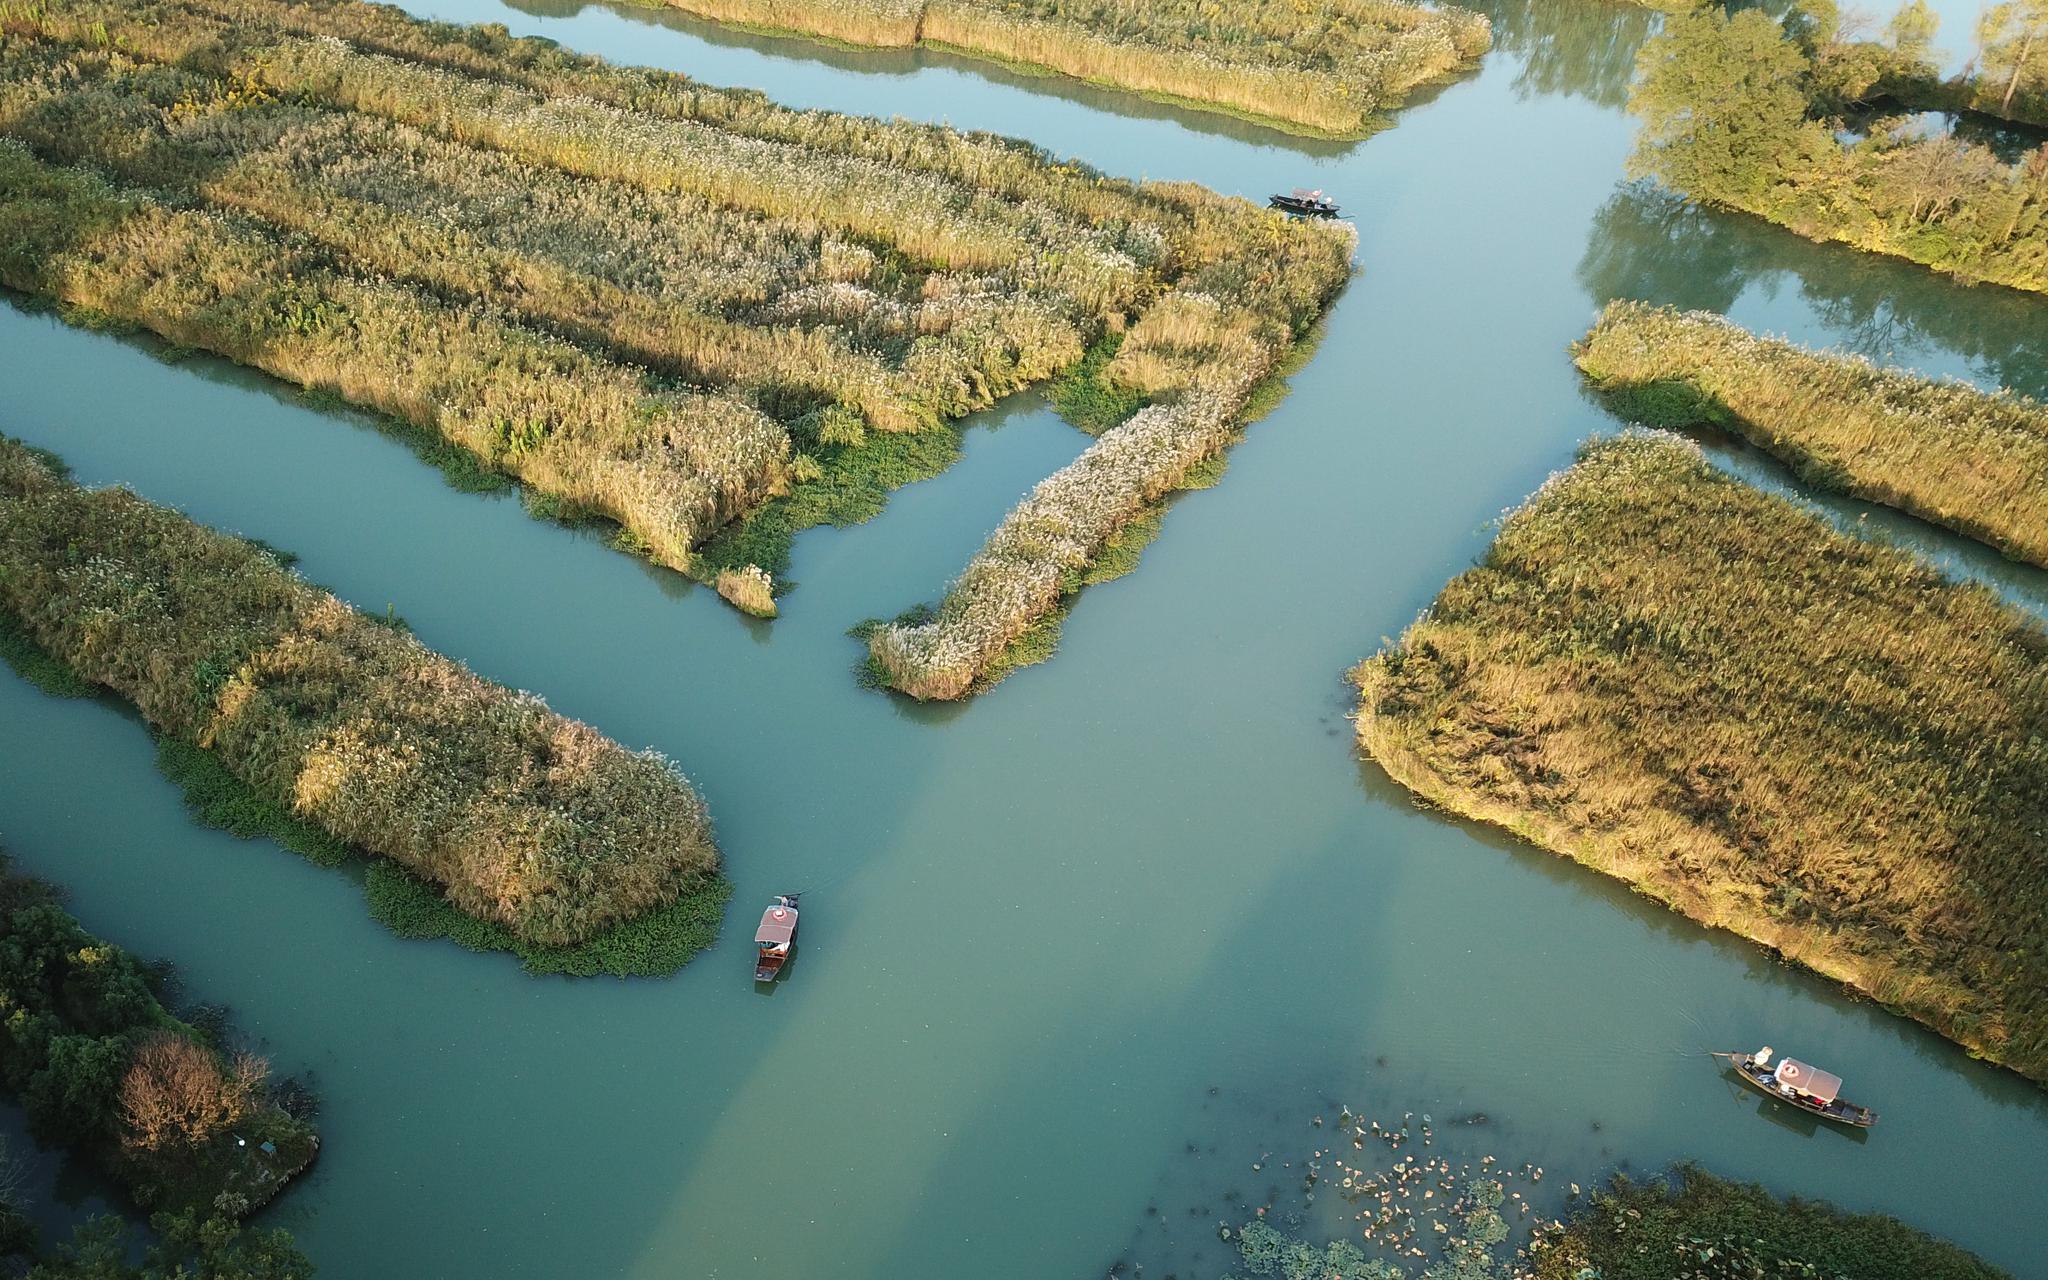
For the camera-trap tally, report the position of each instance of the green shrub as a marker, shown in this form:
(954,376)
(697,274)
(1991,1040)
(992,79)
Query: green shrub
(79,1017)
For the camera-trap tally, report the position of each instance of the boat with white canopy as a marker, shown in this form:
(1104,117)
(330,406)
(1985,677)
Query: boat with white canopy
(776,938)
(1801,1085)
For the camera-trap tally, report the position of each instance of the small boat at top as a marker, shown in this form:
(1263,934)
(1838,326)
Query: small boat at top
(1798,1084)
(775,938)
(1304,203)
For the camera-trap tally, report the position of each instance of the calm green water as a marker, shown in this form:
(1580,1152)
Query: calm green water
(1084,950)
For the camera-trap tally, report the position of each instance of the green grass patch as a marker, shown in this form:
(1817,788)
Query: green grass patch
(464,471)
(37,665)
(1084,397)
(1036,645)
(653,944)
(1671,403)
(1119,555)
(1206,474)
(219,799)
(853,487)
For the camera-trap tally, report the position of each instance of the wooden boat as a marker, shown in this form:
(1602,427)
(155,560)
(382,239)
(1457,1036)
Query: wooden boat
(776,938)
(1800,1085)
(1304,203)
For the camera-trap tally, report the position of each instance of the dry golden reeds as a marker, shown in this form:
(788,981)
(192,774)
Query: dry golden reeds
(1945,451)
(651,300)
(1199,353)
(523,817)
(1326,66)
(1771,726)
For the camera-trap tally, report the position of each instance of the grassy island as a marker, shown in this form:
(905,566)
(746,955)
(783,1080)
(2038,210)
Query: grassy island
(1200,363)
(1770,726)
(1315,66)
(1946,452)
(1700,1227)
(274,697)
(685,310)
(1747,113)
(101,1066)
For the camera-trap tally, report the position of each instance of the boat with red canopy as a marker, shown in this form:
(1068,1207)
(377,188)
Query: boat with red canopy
(1801,1085)
(776,938)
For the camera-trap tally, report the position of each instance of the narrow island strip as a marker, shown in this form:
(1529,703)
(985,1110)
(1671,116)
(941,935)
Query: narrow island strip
(1201,363)
(1971,461)
(102,1068)
(535,833)
(1766,724)
(706,319)
(1319,67)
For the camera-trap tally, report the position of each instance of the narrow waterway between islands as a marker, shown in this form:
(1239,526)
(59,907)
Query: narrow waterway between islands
(1078,953)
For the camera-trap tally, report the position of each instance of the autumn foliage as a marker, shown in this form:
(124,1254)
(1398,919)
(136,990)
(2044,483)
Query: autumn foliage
(178,1093)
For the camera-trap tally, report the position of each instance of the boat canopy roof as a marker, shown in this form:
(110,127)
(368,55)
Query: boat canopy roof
(778,925)
(1812,1081)
(1303,193)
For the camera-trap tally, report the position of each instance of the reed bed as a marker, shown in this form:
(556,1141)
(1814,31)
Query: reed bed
(794,319)
(523,818)
(1321,66)
(1198,354)
(664,304)
(1768,725)
(886,24)
(669,468)
(1947,452)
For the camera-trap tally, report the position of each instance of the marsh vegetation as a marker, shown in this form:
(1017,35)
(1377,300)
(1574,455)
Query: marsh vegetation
(1320,66)
(1774,728)
(1201,362)
(681,309)
(1975,462)
(544,831)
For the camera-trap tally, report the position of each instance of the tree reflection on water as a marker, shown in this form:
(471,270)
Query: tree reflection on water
(1649,243)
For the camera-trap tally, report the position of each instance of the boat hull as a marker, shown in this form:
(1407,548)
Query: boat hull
(1836,1112)
(1303,208)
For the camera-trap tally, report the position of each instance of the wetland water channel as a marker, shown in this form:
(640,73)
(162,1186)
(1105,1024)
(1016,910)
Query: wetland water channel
(1083,951)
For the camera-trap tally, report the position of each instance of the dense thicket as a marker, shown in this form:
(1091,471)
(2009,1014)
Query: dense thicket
(1744,112)
(101,1066)
(185,1246)
(2007,78)
(1695,1226)
(1329,66)
(653,301)
(1945,451)
(1773,727)
(522,817)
